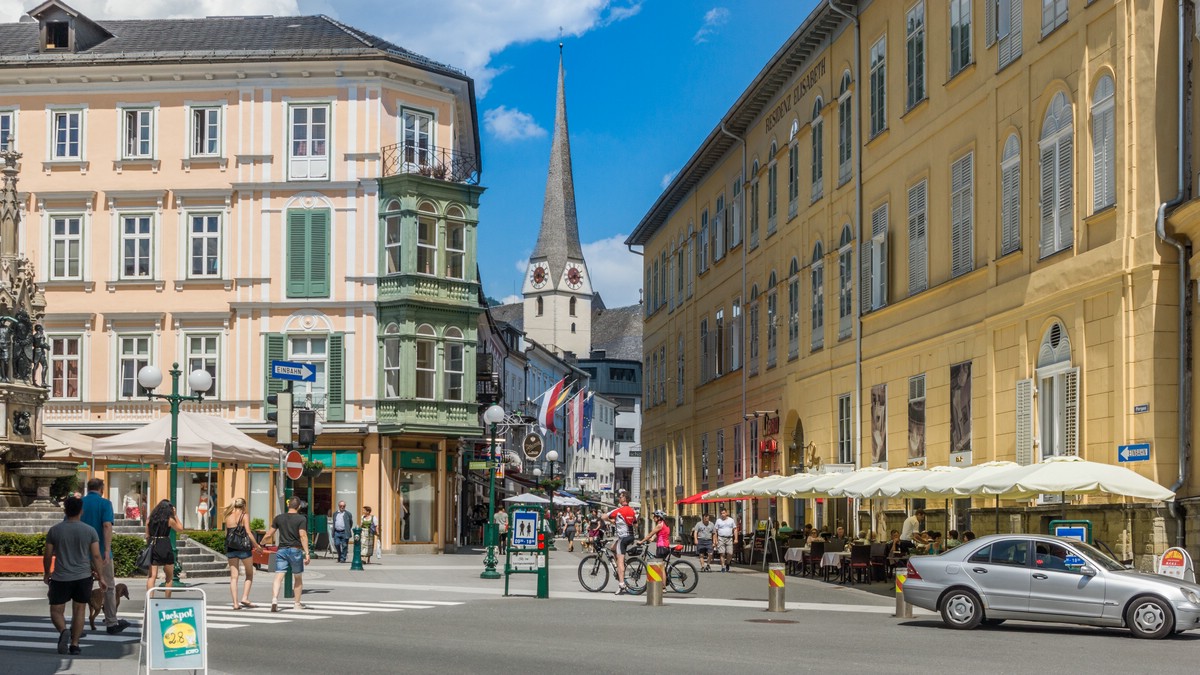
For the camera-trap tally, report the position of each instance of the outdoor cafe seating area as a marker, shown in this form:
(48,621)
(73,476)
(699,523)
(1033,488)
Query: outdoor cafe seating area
(836,557)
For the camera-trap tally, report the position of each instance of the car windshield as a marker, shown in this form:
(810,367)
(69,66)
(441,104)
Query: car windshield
(1099,557)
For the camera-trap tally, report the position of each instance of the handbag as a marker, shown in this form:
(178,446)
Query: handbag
(143,559)
(237,539)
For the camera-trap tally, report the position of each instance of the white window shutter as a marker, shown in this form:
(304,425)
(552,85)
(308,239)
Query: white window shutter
(989,21)
(918,270)
(1066,194)
(1110,158)
(1103,164)
(1010,215)
(961,244)
(865,268)
(1024,422)
(1071,412)
(1047,200)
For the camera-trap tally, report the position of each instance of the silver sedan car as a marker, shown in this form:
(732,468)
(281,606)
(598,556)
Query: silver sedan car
(1034,577)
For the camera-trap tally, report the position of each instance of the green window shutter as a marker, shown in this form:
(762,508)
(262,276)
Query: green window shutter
(297,254)
(276,350)
(335,398)
(318,254)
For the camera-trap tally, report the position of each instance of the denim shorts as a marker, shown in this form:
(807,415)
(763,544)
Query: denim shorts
(289,557)
(238,555)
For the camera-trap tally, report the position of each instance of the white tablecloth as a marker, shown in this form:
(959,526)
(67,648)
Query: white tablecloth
(834,559)
(795,554)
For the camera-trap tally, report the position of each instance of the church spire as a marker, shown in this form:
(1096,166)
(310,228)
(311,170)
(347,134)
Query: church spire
(558,240)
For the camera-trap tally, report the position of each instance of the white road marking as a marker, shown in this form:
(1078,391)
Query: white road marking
(17,599)
(321,605)
(237,616)
(53,634)
(29,644)
(438,603)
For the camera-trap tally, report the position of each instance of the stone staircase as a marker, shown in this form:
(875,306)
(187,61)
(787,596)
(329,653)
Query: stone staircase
(198,560)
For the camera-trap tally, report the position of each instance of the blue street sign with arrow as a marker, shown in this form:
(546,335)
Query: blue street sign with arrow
(292,370)
(1138,452)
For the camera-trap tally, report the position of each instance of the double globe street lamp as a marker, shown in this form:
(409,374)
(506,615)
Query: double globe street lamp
(200,381)
(493,416)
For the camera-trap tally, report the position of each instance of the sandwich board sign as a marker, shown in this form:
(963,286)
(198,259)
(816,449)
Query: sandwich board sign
(176,630)
(1175,562)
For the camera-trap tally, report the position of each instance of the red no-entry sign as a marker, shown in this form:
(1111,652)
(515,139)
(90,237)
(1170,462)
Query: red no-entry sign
(294,465)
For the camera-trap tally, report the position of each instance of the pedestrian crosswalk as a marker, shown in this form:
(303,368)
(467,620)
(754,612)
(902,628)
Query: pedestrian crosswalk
(221,617)
(37,633)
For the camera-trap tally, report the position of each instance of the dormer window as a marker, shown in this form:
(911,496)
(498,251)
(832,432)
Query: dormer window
(58,35)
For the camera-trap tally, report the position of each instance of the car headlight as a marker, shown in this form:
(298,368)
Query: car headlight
(1191,596)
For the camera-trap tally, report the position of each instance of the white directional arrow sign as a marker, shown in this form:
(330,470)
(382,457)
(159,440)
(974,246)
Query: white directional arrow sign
(292,370)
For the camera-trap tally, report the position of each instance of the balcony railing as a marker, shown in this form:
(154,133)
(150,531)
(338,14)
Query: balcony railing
(430,161)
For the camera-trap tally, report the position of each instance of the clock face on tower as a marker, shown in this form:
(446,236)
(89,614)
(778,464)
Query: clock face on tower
(538,275)
(574,276)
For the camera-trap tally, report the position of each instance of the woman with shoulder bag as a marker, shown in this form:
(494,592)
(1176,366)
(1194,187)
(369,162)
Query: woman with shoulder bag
(240,545)
(370,529)
(661,533)
(158,540)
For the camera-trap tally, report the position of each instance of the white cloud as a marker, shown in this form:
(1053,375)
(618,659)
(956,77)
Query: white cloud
(616,271)
(667,178)
(713,19)
(510,124)
(468,33)
(11,10)
(512,299)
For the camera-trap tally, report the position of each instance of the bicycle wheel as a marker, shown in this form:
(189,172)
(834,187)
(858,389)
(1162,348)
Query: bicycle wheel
(682,577)
(635,575)
(593,573)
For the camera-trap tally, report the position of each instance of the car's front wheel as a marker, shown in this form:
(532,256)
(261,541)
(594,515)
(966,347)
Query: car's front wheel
(962,609)
(1149,618)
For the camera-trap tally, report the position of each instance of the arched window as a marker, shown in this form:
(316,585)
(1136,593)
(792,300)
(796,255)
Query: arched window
(452,364)
(1010,196)
(794,309)
(1057,171)
(1057,394)
(1104,163)
(754,328)
(845,130)
(772,190)
(456,243)
(391,245)
(793,170)
(818,150)
(426,239)
(573,300)
(426,367)
(772,320)
(817,287)
(845,281)
(391,361)
(540,306)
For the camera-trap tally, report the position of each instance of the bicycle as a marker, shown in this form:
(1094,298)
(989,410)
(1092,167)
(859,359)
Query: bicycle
(682,575)
(595,568)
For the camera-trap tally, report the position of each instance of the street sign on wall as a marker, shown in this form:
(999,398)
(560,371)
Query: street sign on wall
(1137,452)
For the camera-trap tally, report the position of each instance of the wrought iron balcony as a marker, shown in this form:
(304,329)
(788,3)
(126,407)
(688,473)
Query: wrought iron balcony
(430,161)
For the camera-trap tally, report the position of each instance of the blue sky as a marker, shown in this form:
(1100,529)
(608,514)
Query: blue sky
(647,80)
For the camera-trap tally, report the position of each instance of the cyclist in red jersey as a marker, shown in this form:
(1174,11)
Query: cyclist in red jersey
(623,519)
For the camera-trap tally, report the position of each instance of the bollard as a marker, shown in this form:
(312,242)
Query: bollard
(655,574)
(775,601)
(356,561)
(903,609)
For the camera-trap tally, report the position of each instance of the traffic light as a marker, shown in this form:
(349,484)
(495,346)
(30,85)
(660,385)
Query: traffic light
(306,433)
(281,416)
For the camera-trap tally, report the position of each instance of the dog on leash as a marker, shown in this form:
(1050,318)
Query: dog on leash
(96,603)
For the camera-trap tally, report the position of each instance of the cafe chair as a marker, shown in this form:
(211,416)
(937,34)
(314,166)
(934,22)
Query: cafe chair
(860,563)
(812,560)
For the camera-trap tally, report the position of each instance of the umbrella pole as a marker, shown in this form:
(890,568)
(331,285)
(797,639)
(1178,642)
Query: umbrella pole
(1062,496)
(997,514)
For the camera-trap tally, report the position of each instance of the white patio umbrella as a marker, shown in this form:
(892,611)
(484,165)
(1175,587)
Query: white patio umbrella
(818,486)
(560,500)
(527,498)
(1067,475)
(854,483)
(200,437)
(765,487)
(737,489)
(63,444)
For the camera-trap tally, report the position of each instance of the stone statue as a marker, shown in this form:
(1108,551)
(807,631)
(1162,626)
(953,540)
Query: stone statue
(41,356)
(6,349)
(22,347)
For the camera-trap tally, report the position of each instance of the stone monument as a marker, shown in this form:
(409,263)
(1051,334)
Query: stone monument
(23,375)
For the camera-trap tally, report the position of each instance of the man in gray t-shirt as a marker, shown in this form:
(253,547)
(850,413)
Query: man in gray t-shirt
(704,535)
(74,548)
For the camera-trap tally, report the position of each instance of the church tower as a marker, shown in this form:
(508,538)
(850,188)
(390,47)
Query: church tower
(558,288)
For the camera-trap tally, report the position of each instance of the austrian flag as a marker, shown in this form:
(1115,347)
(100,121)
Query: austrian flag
(550,402)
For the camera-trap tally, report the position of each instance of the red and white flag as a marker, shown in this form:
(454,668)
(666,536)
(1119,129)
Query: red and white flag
(575,419)
(551,399)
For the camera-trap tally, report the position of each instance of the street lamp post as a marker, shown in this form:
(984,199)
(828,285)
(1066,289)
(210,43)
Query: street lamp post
(200,381)
(493,416)
(552,457)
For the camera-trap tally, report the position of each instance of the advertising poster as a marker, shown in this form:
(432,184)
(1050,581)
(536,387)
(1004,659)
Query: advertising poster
(879,424)
(180,636)
(960,407)
(916,429)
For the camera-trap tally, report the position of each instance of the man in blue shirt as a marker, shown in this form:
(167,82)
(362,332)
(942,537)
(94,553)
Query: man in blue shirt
(98,512)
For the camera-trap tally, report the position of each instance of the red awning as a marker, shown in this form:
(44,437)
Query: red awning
(698,498)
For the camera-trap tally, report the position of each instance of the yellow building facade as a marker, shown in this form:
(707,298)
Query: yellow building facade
(925,235)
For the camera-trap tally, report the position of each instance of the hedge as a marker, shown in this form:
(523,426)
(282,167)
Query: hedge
(211,538)
(126,548)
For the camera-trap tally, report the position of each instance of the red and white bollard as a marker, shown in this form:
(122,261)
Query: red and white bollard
(775,597)
(656,574)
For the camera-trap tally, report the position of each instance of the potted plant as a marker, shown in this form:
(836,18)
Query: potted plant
(313,469)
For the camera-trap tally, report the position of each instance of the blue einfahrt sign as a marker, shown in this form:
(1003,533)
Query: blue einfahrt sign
(1138,452)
